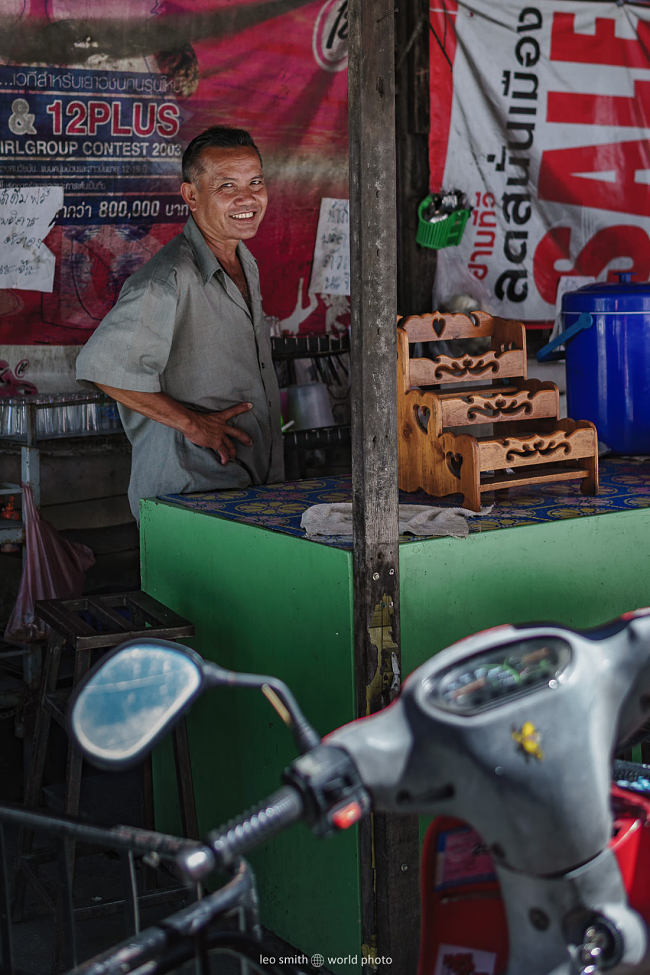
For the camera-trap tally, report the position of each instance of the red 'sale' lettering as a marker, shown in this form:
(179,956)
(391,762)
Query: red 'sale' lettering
(601,47)
(580,108)
(610,243)
(600,176)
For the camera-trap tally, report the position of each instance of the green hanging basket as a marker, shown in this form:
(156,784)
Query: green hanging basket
(443,233)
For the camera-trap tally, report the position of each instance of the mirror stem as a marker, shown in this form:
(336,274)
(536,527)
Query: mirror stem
(278,695)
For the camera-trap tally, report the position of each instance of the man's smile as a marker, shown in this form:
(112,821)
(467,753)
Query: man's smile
(228,199)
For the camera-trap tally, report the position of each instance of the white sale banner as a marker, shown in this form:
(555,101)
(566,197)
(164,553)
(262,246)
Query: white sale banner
(541,116)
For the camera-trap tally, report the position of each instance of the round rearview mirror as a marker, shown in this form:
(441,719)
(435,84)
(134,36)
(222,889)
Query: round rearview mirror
(132,698)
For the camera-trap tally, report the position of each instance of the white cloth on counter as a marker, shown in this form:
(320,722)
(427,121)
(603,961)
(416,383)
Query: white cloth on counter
(414,519)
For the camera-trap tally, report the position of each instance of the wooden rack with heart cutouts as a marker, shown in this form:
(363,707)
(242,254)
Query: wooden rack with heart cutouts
(529,443)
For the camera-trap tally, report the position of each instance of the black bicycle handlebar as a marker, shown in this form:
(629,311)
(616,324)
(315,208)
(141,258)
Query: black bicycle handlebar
(170,942)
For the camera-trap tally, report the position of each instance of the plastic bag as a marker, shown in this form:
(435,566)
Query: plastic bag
(53,568)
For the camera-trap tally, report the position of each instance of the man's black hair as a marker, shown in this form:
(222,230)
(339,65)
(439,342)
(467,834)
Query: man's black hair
(221,136)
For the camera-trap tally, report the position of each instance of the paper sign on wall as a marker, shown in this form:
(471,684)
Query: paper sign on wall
(331,267)
(26,217)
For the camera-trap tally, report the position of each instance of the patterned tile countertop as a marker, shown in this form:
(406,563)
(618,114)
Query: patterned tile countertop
(624,484)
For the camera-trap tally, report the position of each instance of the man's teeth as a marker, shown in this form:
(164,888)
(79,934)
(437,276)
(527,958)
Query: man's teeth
(243,216)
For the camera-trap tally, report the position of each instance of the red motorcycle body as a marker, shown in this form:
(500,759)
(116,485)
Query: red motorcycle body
(464,929)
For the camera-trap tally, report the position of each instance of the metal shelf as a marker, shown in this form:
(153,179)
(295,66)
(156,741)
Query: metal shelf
(20,429)
(55,416)
(309,346)
(317,437)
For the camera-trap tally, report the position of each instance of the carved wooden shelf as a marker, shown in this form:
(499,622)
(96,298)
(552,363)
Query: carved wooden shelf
(529,443)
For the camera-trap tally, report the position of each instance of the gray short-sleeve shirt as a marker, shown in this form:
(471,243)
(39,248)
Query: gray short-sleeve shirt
(181,326)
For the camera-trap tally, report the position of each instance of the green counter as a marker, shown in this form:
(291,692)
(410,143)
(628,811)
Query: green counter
(263,598)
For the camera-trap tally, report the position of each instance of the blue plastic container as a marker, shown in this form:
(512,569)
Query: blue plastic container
(606,336)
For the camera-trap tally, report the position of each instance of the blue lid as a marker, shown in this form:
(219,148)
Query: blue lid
(622,296)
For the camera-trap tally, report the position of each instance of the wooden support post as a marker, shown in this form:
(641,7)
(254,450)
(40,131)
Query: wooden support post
(416,265)
(389,860)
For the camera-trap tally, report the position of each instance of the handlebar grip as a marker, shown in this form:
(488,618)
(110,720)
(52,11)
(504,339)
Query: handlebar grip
(279,810)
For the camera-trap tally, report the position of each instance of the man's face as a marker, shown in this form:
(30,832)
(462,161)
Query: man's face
(228,200)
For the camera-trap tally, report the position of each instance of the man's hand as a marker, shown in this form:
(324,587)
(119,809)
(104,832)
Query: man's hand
(204,429)
(213,430)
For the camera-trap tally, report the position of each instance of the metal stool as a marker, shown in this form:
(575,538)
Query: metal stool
(99,623)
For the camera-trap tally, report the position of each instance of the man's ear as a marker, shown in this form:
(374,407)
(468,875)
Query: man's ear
(188,192)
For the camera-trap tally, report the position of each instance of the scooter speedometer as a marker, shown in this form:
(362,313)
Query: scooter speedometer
(491,678)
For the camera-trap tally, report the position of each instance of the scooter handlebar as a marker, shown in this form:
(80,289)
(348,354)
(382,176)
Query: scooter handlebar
(323,787)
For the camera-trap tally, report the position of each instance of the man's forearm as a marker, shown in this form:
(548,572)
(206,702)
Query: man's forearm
(155,406)
(213,430)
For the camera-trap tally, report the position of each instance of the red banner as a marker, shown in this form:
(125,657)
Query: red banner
(101,99)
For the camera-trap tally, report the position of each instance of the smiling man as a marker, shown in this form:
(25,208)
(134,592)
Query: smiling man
(185,351)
